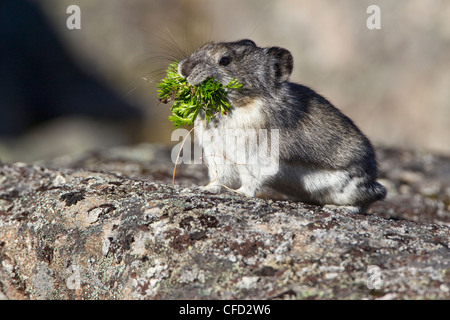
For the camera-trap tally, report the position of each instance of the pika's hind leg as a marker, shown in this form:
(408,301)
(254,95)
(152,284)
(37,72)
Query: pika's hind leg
(356,195)
(340,188)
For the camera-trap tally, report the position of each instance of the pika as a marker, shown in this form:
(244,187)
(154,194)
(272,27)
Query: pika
(322,156)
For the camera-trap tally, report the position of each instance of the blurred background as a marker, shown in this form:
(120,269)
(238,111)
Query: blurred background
(64,91)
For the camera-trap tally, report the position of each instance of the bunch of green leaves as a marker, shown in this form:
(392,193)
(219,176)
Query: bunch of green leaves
(188,100)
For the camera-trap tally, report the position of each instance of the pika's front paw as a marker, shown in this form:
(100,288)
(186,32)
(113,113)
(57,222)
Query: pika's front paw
(249,192)
(214,189)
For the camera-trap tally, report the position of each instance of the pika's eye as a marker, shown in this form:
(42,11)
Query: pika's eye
(224,61)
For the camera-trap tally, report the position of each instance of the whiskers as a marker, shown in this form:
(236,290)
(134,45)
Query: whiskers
(151,66)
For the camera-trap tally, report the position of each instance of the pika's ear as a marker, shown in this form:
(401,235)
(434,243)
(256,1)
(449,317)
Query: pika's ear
(282,63)
(246,42)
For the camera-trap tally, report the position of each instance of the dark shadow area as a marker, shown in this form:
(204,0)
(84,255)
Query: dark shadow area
(38,79)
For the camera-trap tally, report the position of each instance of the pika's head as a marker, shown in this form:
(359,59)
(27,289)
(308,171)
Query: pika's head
(259,70)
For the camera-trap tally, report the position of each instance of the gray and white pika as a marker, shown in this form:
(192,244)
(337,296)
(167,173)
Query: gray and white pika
(323,158)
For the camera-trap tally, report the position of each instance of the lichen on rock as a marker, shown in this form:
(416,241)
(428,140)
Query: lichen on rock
(89,228)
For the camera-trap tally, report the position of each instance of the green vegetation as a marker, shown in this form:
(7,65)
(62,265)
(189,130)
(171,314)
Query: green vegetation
(188,100)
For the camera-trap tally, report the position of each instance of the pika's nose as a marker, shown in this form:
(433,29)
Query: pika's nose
(185,68)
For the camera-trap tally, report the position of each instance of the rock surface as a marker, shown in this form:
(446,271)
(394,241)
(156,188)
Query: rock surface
(109,225)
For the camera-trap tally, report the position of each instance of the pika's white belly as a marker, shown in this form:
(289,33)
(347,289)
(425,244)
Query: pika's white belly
(236,149)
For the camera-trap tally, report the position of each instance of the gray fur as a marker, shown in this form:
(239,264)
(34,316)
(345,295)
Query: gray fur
(324,157)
